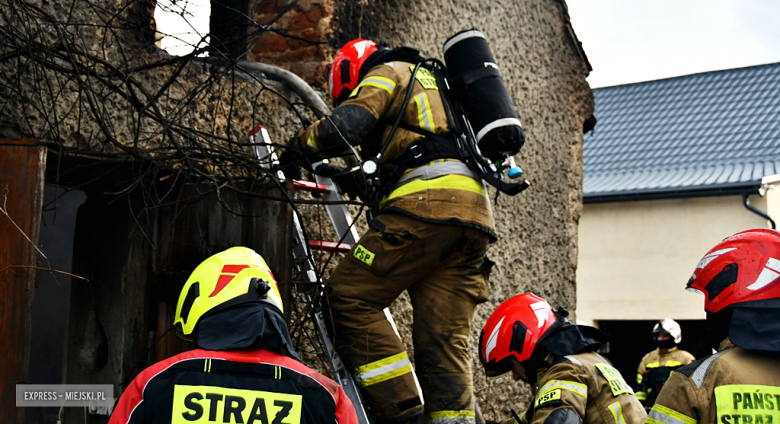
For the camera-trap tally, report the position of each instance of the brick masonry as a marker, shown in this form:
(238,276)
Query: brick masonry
(308,19)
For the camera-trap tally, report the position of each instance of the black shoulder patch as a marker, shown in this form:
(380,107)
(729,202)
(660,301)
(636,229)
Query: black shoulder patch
(348,124)
(688,369)
(563,416)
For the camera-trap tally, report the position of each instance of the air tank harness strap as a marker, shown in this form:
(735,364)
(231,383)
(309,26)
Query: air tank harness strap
(463,81)
(427,149)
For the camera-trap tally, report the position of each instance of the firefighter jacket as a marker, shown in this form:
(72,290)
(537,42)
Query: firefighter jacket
(733,386)
(654,370)
(243,386)
(441,191)
(583,388)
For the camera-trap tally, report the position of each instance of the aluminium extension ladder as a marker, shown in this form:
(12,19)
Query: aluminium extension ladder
(341,220)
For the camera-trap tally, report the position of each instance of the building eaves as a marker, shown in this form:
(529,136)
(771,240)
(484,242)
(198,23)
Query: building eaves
(702,132)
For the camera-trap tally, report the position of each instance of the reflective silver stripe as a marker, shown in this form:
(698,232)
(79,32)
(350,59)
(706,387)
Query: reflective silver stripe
(379,80)
(383,370)
(452,420)
(436,170)
(460,37)
(617,412)
(505,122)
(425,111)
(573,387)
(666,419)
(573,360)
(701,371)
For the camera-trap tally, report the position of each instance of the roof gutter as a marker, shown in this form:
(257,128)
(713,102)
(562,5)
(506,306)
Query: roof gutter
(673,193)
(762,214)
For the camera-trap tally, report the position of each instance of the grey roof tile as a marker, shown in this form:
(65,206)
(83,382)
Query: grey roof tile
(692,132)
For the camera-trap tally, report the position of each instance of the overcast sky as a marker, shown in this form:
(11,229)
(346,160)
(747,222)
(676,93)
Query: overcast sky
(626,41)
(631,41)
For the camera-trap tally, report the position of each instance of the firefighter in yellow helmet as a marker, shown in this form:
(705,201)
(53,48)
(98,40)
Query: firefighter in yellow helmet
(231,308)
(655,367)
(429,238)
(740,384)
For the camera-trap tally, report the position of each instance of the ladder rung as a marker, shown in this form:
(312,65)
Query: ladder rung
(329,246)
(310,186)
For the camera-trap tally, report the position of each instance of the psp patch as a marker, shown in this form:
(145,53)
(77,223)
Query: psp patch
(363,255)
(549,398)
(212,404)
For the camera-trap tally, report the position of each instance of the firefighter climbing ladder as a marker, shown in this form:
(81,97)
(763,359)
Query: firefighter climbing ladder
(342,224)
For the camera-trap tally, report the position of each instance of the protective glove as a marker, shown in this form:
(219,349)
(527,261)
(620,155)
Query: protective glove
(350,183)
(288,164)
(292,159)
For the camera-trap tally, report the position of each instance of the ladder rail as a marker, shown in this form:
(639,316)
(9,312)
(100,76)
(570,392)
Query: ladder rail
(344,226)
(305,263)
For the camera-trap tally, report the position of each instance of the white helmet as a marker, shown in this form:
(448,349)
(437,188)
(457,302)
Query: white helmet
(670,327)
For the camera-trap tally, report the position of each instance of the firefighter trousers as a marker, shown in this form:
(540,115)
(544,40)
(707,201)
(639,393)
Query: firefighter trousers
(445,271)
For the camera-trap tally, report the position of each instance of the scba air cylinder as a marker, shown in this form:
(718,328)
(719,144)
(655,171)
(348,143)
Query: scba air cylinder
(476,83)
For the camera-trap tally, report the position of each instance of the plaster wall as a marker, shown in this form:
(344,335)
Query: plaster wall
(636,257)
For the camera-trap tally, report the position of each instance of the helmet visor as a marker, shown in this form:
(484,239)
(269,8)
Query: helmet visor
(495,369)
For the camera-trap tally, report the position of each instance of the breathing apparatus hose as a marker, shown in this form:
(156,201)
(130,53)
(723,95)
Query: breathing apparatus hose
(371,166)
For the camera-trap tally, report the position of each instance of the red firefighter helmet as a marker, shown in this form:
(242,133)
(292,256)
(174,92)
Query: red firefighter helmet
(513,331)
(741,270)
(344,73)
(740,281)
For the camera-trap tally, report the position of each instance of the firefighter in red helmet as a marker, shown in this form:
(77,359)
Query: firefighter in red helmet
(429,238)
(740,384)
(572,384)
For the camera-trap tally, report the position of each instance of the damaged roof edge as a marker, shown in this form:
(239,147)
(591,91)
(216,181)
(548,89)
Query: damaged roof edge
(572,36)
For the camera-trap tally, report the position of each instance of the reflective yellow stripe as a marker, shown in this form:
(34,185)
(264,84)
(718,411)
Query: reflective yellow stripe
(571,386)
(672,363)
(663,415)
(312,142)
(522,417)
(617,413)
(639,379)
(383,369)
(451,414)
(424,114)
(380,82)
(451,182)
(653,365)
(641,395)
(451,417)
